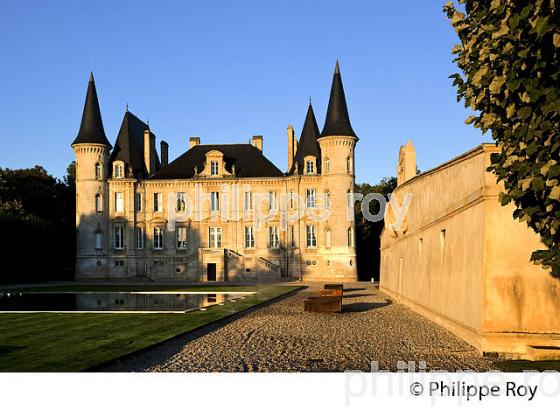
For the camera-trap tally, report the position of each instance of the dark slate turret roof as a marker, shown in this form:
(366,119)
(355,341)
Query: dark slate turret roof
(129,146)
(248,160)
(91,128)
(308,144)
(337,121)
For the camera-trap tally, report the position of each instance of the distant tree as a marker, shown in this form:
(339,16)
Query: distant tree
(368,234)
(37,221)
(509,56)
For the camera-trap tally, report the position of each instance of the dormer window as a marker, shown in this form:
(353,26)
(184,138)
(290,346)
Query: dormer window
(98,171)
(214,168)
(309,167)
(118,170)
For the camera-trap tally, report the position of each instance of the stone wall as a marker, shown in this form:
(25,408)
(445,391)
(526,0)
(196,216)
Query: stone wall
(462,260)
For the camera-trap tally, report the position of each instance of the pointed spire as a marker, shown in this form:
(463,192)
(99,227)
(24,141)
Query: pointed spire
(91,128)
(308,144)
(337,121)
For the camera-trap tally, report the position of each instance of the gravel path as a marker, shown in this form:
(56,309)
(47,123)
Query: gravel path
(281,337)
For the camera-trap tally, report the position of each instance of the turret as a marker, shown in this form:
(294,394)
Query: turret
(91,149)
(336,143)
(308,148)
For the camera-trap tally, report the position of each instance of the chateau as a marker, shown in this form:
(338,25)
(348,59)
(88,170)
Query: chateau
(219,212)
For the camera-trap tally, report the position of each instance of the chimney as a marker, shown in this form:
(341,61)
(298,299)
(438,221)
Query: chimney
(257,142)
(292,146)
(407,163)
(164,149)
(148,152)
(194,141)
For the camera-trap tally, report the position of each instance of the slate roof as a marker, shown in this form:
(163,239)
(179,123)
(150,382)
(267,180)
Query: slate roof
(248,160)
(308,144)
(91,128)
(337,121)
(129,146)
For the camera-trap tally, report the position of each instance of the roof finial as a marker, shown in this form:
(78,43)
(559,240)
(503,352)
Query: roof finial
(337,68)
(309,100)
(127,107)
(148,123)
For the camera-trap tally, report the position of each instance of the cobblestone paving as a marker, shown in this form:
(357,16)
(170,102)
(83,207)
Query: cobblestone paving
(281,337)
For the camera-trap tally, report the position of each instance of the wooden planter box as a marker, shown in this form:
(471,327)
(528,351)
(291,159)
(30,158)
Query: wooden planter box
(338,286)
(324,304)
(330,292)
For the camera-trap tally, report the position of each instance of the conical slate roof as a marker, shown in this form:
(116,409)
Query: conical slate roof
(91,128)
(308,144)
(129,147)
(337,121)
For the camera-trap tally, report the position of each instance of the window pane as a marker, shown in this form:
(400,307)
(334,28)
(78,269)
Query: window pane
(310,194)
(119,205)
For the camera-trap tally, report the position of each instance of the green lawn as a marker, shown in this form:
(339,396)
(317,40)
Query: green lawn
(78,341)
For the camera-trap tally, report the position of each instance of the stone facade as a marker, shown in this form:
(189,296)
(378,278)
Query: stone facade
(131,224)
(461,259)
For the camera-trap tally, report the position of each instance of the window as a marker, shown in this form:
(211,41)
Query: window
(442,243)
(181,237)
(138,202)
(214,170)
(119,237)
(292,199)
(158,202)
(98,171)
(272,201)
(158,238)
(119,171)
(311,236)
(181,204)
(350,238)
(310,197)
(309,167)
(349,165)
(98,241)
(98,203)
(327,200)
(420,247)
(273,237)
(249,237)
(215,237)
(327,165)
(328,238)
(214,201)
(248,200)
(139,237)
(350,198)
(119,202)
(292,236)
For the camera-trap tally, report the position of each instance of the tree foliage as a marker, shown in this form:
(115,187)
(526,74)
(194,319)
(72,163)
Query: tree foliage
(509,56)
(37,219)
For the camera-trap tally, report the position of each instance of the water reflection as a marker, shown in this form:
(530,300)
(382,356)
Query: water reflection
(109,301)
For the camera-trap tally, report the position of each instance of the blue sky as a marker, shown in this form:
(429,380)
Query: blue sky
(226,70)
